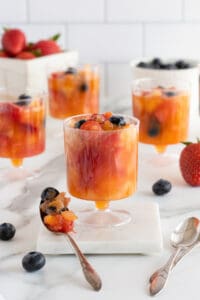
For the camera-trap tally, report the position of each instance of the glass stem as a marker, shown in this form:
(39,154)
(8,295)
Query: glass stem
(17,162)
(102,205)
(161,148)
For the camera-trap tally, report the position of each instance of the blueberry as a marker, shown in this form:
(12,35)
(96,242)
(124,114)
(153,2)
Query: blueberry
(186,66)
(167,66)
(33,261)
(181,64)
(64,209)
(142,65)
(83,87)
(79,123)
(170,93)
(71,70)
(51,209)
(24,96)
(23,100)
(156,63)
(161,187)
(49,194)
(117,120)
(154,127)
(7,231)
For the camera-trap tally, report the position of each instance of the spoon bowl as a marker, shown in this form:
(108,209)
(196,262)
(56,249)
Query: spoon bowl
(185,235)
(90,274)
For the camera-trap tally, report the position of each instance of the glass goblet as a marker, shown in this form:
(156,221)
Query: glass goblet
(73,91)
(22,131)
(163,111)
(101,167)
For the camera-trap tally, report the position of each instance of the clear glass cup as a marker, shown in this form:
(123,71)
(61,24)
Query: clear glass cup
(163,111)
(101,167)
(22,129)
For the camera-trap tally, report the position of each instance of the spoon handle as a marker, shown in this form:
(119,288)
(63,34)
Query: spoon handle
(184,252)
(159,278)
(179,257)
(90,274)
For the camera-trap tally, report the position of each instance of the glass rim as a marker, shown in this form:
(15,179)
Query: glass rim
(94,67)
(136,123)
(14,98)
(184,83)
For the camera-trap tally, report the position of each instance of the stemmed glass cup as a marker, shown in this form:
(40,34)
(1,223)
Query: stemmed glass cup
(163,111)
(73,91)
(101,167)
(22,130)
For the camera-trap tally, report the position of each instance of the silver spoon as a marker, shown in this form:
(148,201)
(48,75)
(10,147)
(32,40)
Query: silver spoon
(186,251)
(184,235)
(90,274)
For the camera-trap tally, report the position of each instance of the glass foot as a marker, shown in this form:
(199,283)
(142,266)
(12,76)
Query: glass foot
(162,160)
(103,218)
(20,173)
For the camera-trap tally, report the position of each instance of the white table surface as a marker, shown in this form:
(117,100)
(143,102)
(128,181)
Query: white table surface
(124,276)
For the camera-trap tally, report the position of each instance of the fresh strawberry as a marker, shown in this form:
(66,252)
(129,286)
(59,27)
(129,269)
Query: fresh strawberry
(47,47)
(13,41)
(3,53)
(190,163)
(25,55)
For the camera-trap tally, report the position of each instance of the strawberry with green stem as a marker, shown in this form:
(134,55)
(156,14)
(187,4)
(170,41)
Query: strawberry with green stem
(13,41)
(47,47)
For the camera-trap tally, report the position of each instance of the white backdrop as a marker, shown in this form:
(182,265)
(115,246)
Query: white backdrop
(111,32)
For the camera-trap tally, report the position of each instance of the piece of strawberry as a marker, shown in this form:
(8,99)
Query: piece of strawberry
(164,110)
(13,41)
(190,163)
(91,125)
(47,47)
(25,55)
(9,110)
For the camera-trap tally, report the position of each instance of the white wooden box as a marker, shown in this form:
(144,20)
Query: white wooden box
(19,76)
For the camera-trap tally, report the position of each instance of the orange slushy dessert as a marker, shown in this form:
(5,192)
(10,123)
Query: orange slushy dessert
(163,115)
(101,155)
(73,92)
(22,128)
